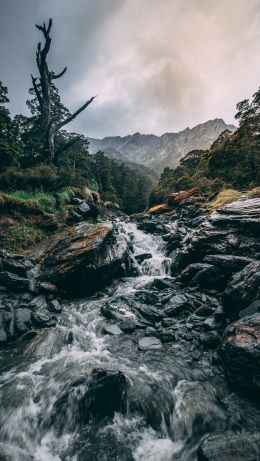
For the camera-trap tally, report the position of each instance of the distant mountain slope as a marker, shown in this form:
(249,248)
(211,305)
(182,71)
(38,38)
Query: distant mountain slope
(141,169)
(158,152)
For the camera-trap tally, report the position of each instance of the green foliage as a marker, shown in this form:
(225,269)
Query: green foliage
(46,202)
(233,161)
(20,237)
(10,143)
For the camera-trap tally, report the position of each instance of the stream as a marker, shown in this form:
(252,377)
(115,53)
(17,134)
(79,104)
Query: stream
(179,399)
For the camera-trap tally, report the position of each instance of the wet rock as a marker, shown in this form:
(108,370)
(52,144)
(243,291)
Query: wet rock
(147,296)
(54,306)
(242,212)
(242,289)
(42,318)
(241,353)
(83,258)
(230,263)
(84,208)
(22,319)
(176,305)
(230,446)
(46,343)
(91,399)
(251,309)
(14,282)
(113,330)
(48,288)
(142,257)
(3,335)
(128,325)
(6,329)
(117,310)
(152,227)
(204,275)
(209,340)
(150,313)
(149,342)
(39,302)
(16,264)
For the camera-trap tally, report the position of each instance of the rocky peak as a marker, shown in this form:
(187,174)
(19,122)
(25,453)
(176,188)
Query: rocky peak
(166,150)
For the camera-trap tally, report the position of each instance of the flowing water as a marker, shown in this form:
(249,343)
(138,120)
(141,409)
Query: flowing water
(179,402)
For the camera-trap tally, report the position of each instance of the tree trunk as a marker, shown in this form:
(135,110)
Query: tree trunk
(49,127)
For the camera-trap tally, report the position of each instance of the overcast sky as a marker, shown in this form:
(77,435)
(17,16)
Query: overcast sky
(156,65)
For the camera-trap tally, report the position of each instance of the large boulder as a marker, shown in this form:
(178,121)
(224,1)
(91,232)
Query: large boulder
(241,353)
(91,399)
(230,446)
(244,213)
(82,258)
(242,289)
(176,198)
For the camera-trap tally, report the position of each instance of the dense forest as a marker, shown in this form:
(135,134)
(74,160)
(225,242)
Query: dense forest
(233,161)
(37,155)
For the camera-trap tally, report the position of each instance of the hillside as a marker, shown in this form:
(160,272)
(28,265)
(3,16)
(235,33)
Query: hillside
(233,161)
(158,152)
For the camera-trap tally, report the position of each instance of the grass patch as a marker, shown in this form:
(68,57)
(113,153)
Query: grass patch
(46,202)
(18,237)
(224,197)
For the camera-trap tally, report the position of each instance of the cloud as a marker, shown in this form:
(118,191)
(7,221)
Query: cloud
(156,66)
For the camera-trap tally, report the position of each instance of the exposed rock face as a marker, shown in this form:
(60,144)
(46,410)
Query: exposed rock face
(82,258)
(244,213)
(243,288)
(177,197)
(241,353)
(230,446)
(160,151)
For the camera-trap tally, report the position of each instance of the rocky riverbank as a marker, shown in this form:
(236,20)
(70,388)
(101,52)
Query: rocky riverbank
(190,312)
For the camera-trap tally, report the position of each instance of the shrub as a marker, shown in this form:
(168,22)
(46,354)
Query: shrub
(225,196)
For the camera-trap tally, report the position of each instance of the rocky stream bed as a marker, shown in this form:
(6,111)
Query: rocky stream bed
(135,340)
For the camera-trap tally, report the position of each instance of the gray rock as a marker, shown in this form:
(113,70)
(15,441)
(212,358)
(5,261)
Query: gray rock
(55,306)
(241,353)
(22,319)
(209,340)
(142,257)
(42,318)
(14,281)
(149,342)
(250,310)
(3,336)
(84,208)
(113,330)
(228,262)
(38,303)
(242,289)
(230,446)
(82,258)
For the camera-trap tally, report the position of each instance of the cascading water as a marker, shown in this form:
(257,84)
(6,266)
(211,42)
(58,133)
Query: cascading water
(173,394)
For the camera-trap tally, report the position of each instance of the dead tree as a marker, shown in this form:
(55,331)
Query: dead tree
(42,86)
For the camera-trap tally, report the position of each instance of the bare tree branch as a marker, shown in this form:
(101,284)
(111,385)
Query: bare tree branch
(71,117)
(55,76)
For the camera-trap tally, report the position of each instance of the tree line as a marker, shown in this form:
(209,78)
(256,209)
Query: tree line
(37,152)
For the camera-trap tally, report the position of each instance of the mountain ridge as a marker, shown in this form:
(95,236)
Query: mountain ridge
(158,152)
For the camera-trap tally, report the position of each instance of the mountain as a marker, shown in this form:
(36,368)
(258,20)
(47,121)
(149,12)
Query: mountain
(158,152)
(119,158)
